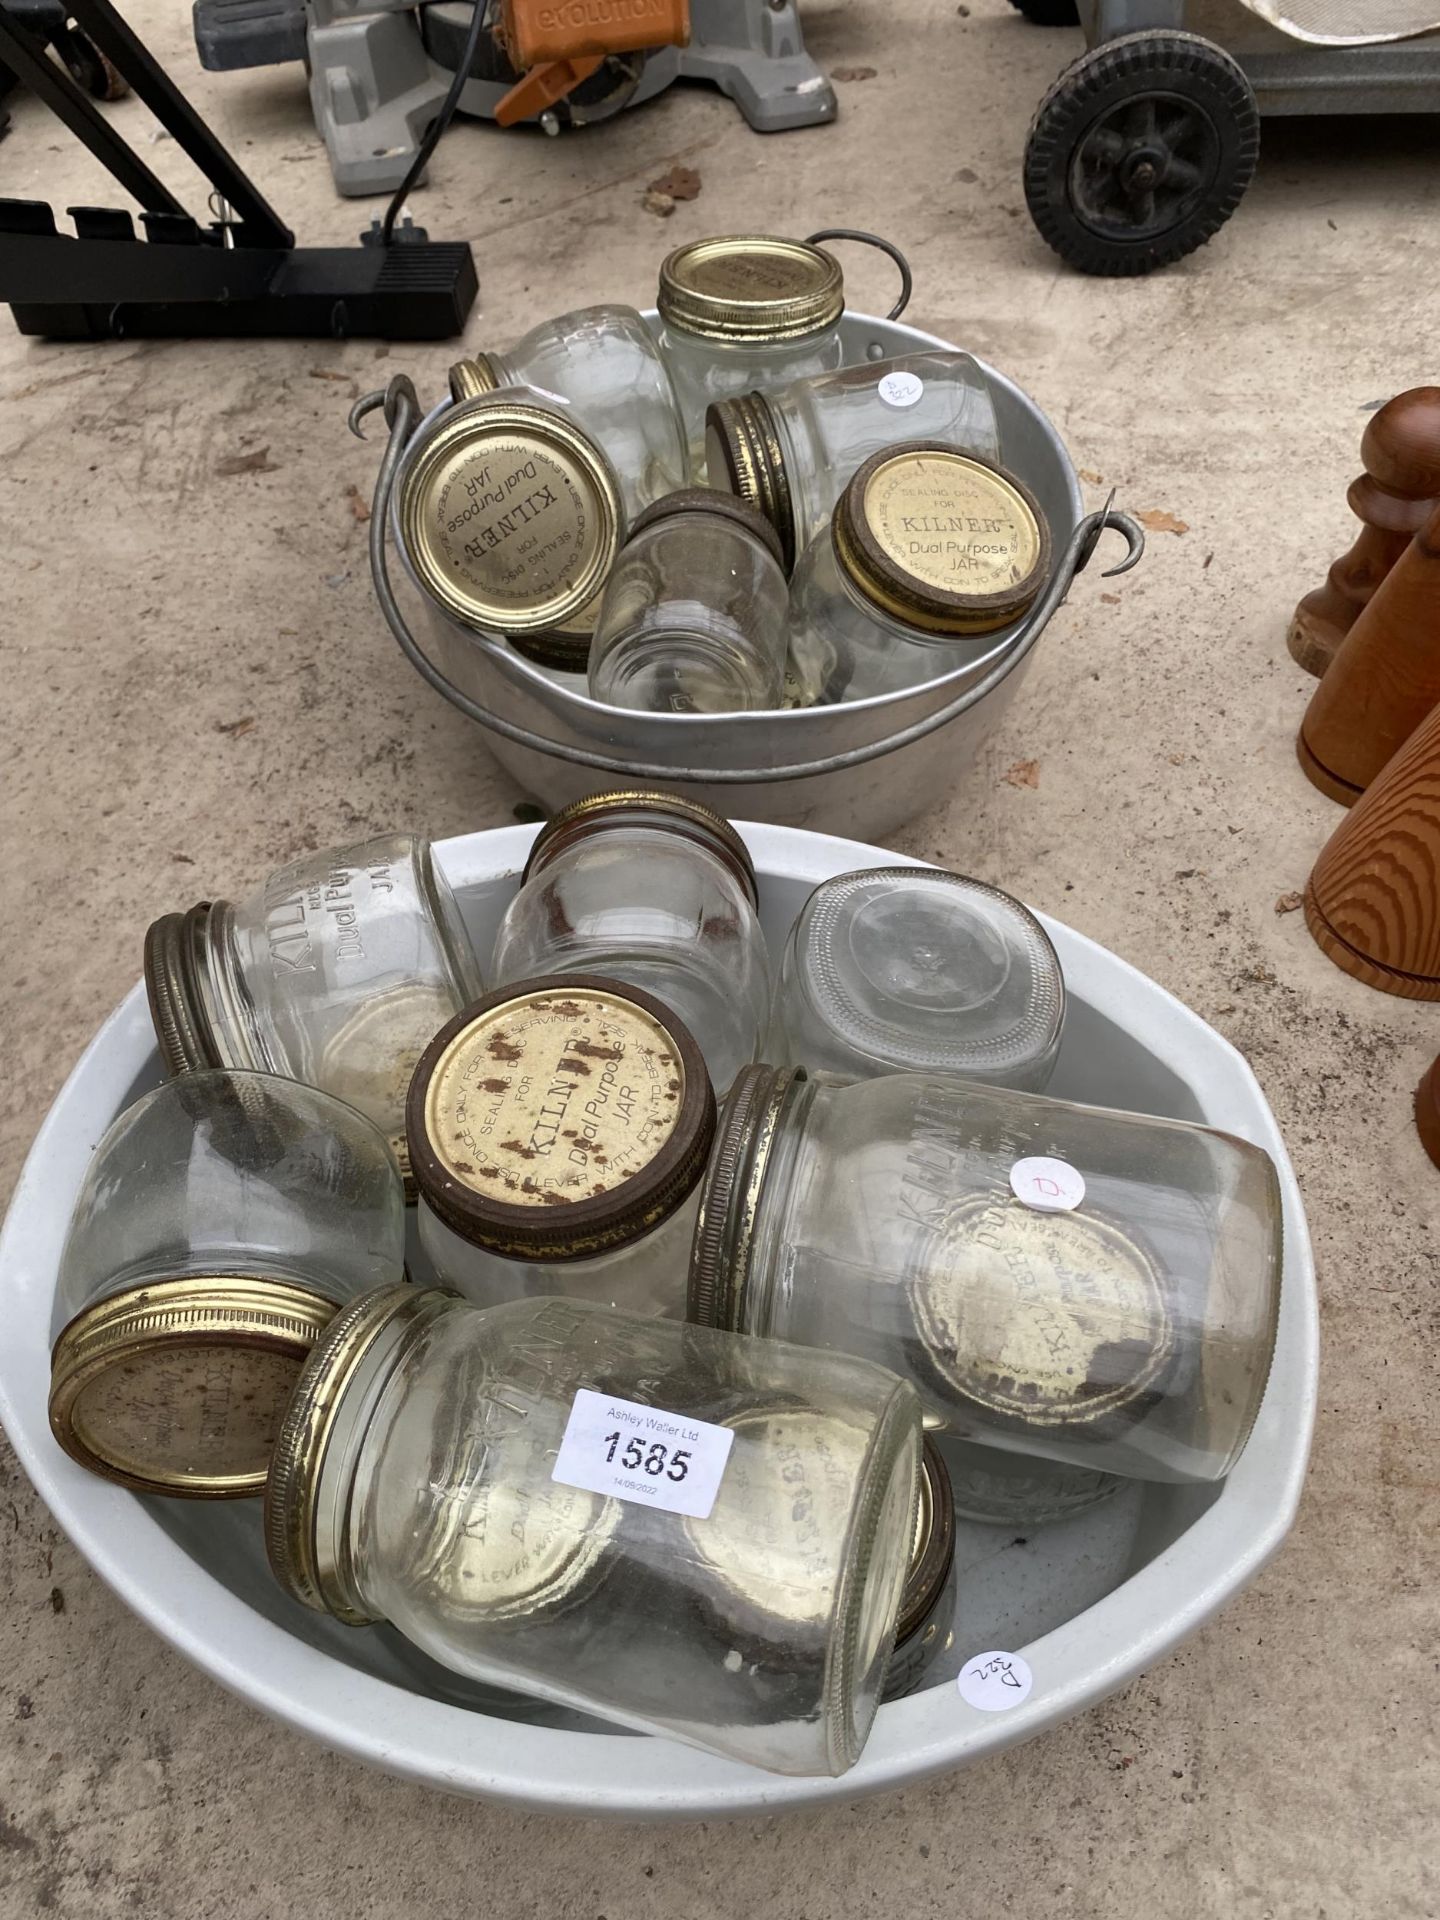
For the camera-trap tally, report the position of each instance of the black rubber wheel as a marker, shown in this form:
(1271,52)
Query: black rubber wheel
(1140,152)
(1049,13)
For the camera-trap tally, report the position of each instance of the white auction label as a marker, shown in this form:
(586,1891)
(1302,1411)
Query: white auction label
(901,389)
(1049,1186)
(994,1681)
(644,1454)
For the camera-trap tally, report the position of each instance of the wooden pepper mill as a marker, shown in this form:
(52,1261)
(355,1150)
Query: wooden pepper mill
(1384,679)
(1373,900)
(1427,1112)
(1392,499)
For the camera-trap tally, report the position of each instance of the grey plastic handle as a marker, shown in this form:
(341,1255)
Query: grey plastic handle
(403,413)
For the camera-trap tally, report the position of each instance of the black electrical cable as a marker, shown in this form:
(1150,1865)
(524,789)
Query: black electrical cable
(431,138)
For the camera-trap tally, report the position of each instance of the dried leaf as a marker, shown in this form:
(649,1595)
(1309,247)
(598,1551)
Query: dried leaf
(257,462)
(357,505)
(680,183)
(1024,773)
(235,727)
(327,373)
(842,74)
(659,204)
(1290,903)
(1092,479)
(1157,520)
(1111,599)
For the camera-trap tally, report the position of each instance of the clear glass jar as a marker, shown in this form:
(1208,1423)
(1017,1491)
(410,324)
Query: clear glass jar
(336,973)
(742,311)
(559,1130)
(906,969)
(929,563)
(694,614)
(1091,1287)
(790,452)
(604,363)
(449,1470)
(222,1220)
(657,892)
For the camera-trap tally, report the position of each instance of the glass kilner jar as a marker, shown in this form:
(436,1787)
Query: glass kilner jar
(741,311)
(656,891)
(604,363)
(930,558)
(558,1132)
(508,516)
(1091,1287)
(686,1533)
(790,452)
(908,969)
(337,972)
(694,614)
(221,1222)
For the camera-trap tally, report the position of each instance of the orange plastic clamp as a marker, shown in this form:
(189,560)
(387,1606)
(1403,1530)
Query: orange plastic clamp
(535,31)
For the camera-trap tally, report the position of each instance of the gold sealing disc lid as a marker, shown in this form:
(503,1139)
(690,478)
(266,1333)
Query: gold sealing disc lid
(639,806)
(473,379)
(180,1387)
(306,1510)
(941,540)
(932,1550)
(510,516)
(175,947)
(723,1246)
(751,287)
(1044,1322)
(743,453)
(557,1118)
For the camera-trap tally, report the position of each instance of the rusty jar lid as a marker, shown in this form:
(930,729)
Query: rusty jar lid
(179,1386)
(720,506)
(557,1118)
(743,453)
(510,515)
(723,1246)
(669,812)
(941,540)
(751,287)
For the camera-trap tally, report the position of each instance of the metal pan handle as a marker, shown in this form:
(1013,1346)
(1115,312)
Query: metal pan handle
(402,413)
(907,279)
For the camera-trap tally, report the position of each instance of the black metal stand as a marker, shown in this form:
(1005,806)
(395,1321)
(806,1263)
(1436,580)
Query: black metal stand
(236,278)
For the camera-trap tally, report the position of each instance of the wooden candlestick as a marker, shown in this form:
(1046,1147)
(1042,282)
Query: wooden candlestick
(1393,498)
(1373,900)
(1384,679)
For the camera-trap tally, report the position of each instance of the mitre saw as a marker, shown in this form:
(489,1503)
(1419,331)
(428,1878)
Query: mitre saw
(380,68)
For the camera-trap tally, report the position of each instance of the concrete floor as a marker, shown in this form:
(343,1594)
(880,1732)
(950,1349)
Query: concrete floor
(198,686)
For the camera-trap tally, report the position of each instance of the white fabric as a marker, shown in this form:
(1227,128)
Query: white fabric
(1349,23)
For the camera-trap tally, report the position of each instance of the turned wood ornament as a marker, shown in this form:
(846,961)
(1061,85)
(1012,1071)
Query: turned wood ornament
(1373,900)
(1392,500)
(1427,1112)
(1383,681)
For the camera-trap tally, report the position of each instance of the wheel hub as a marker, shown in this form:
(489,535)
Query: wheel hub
(1144,166)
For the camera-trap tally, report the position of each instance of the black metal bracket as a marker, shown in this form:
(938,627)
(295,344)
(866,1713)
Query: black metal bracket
(241,276)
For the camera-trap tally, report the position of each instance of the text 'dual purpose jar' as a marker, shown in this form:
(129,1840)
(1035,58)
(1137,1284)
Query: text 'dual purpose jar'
(694,614)
(223,1219)
(605,364)
(791,452)
(741,311)
(336,973)
(1087,1286)
(686,1533)
(559,1131)
(908,969)
(655,891)
(930,557)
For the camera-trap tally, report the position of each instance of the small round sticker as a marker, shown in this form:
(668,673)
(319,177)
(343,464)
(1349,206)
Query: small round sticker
(901,389)
(1049,1186)
(994,1681)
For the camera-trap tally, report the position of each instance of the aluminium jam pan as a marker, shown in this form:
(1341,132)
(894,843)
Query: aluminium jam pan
(861,767)
(1089,1602)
